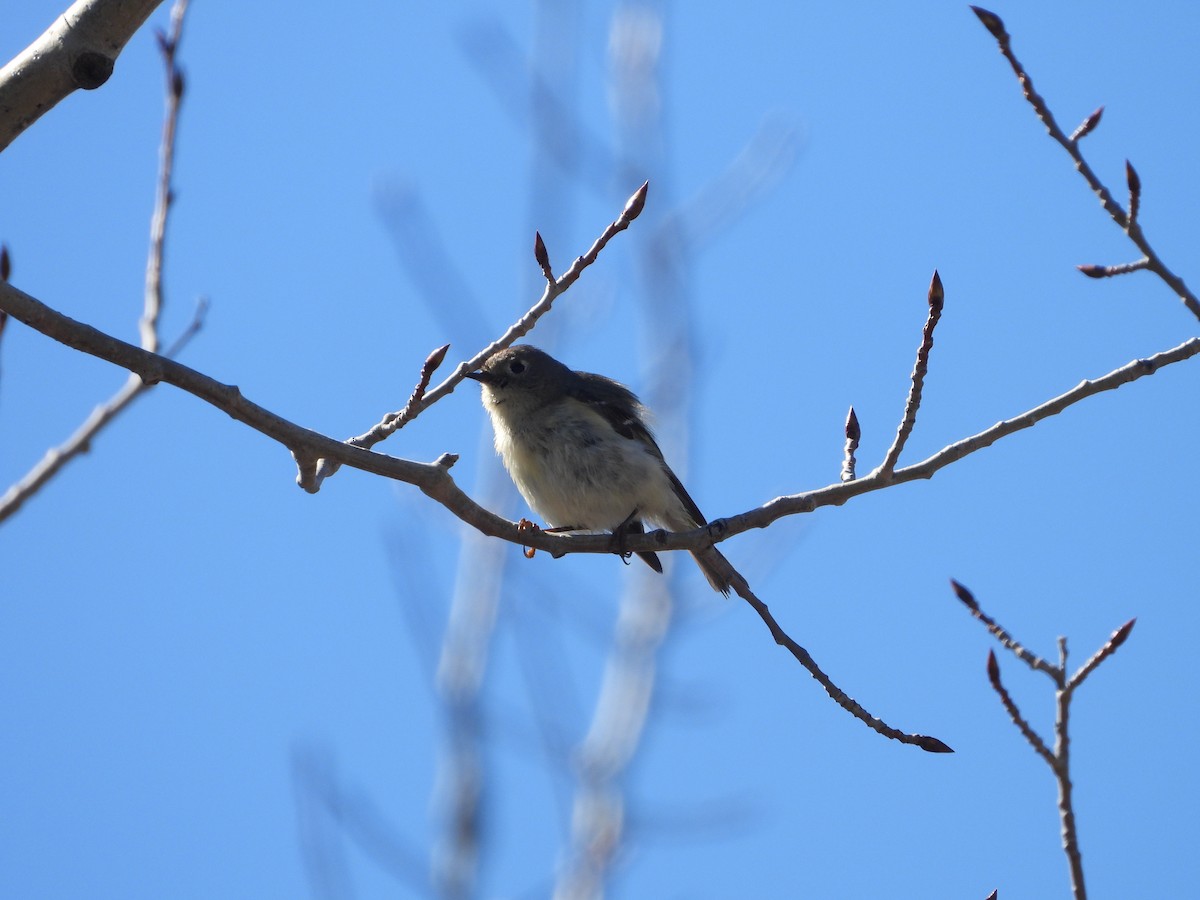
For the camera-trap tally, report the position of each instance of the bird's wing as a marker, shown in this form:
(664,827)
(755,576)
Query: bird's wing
(621,408)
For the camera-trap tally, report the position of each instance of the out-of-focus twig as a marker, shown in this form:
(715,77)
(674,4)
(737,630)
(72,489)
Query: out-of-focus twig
(5,271)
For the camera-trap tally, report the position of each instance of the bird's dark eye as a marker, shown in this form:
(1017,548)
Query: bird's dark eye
(516,367)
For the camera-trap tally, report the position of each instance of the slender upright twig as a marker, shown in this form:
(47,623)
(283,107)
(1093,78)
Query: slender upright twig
(79,442)
(936,299)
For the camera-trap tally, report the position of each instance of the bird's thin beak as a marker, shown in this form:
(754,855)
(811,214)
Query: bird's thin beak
(481,377)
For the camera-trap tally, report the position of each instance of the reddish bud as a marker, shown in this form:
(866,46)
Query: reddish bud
(965,596)
(993,670)
(936,294)
(1094,271)
(5,263)
(636,203)
(1088,125)
(1131,177)
(853,432)
(933,745)
(539,251)
(991,22)
(1121,634)
(435,359)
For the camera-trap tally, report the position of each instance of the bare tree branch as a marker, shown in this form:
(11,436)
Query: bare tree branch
(1034,739)
(1110,647)
(554,289)
(1010,643)
(1059,760)
(434,480)
(80,441)
(840,697)
(1126,220)
(78,51)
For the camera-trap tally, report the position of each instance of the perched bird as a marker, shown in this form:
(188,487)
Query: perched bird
(579,450)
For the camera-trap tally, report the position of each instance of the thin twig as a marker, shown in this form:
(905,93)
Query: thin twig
(521,327)
(1126,221)
(1110,647)
(840,697)
(1062,773)
(1059,760)
(168,45)
(80,442)
(1034,739)
(311,474)
(1094,271)
(936,299)
(1022,653)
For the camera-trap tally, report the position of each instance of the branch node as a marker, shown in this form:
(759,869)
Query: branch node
(91,70)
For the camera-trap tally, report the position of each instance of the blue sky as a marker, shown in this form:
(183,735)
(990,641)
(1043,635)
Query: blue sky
(183,630)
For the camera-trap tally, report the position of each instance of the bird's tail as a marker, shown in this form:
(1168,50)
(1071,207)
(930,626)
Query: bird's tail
(716,568)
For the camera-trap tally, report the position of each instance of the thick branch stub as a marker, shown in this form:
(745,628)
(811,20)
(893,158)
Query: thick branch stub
(90,70)
(78,51)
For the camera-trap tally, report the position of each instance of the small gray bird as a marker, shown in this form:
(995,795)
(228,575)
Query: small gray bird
(579,450)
